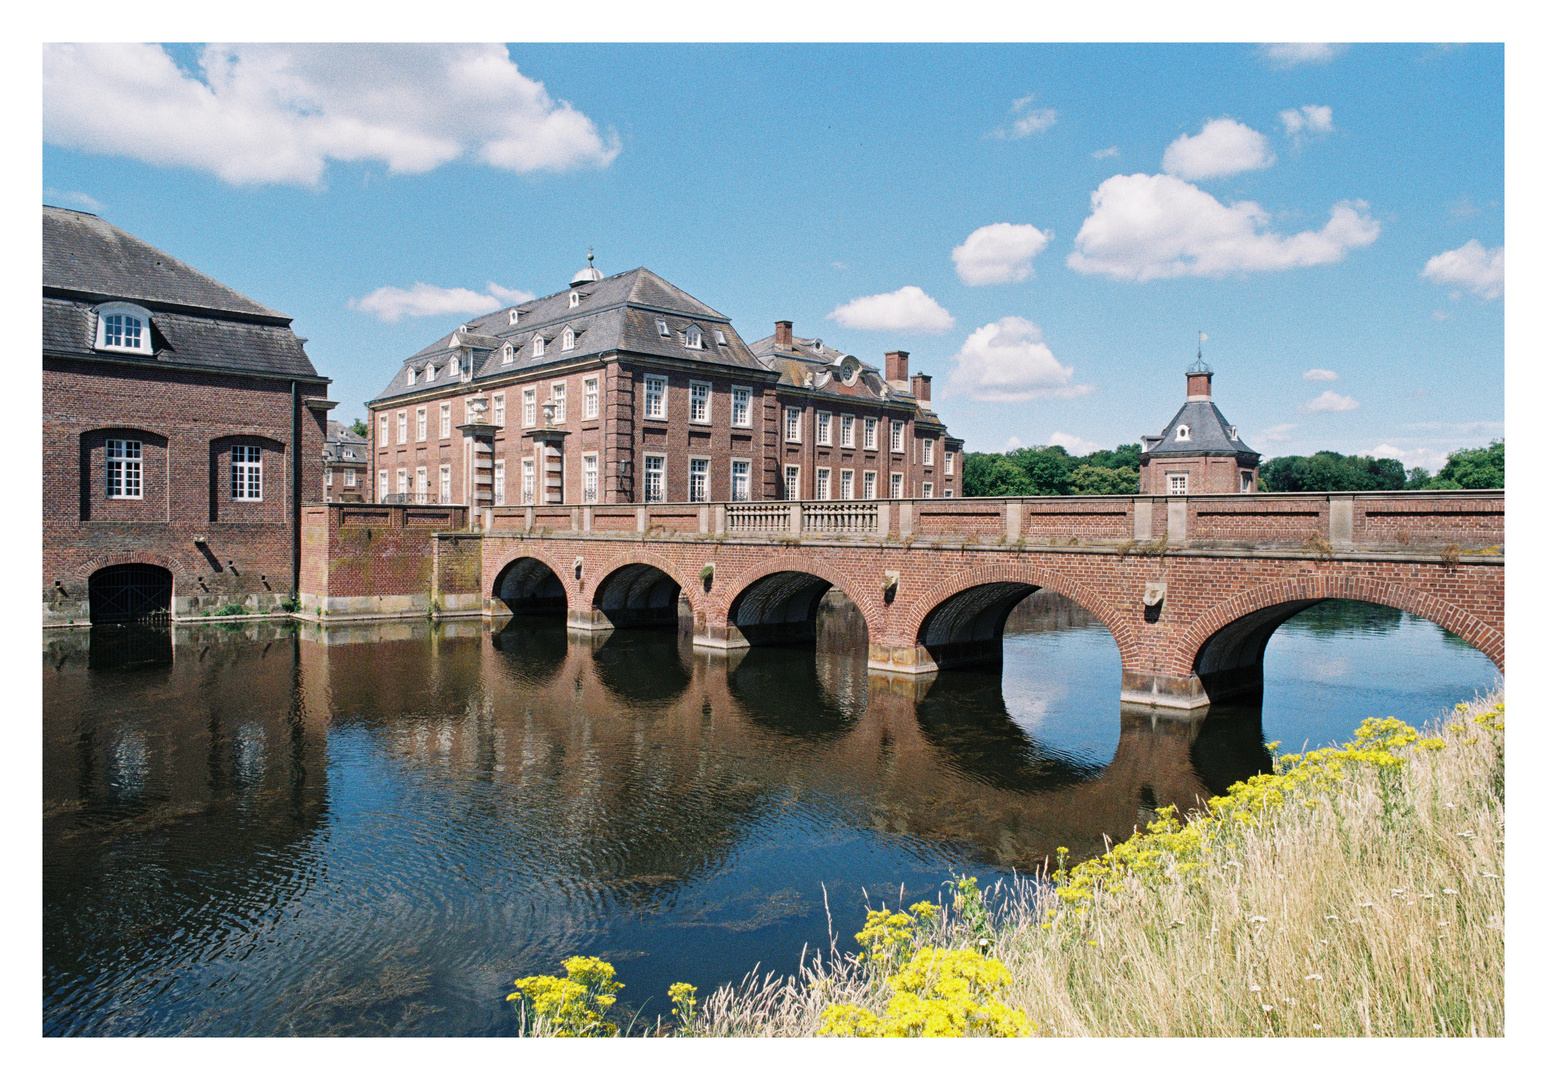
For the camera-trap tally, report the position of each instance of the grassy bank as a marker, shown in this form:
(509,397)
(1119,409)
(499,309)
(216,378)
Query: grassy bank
(1356,891)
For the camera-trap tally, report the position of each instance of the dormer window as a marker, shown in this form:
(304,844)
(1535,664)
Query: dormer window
(719,337)
(451,365)
(662,328)
(123,328)
(410,376)
(537,345)
(568,340)
(515,316)
(1182,433)
(429,372)
(574,298)
(693,338)
(508,356)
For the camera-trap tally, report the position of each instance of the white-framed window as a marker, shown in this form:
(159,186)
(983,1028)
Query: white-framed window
(947,493)
(792,481)
(567,342)
(528,481)
(499,482)
(655,397)
(422,483)
(125,469)
(661,328)
(655,478)
(591,397)
(445,420)
(445,483)
(1183,434)
(719,337)
(574,298)
(499,410)
(698,479)
(590,477)
(402,481)
(824,484)
(929,490)
(824,428)
(402,426)
(386,434)
(452,366)
(539,346)
(929,451)
(698,402)
(846,431)
(529,408)
(1176,483)
(350,478)
(950,462)
(123,328)
(869,487)
(741,406)
(515,316)
(741,481)
(791,424)
(846,484)
(693,338)
(508,353)
(870,433)
(410,376)
(898,430)
(556,395)
(381,485)
(247,473)
(896,485)
(327,477)
(1246,482)
(420,423)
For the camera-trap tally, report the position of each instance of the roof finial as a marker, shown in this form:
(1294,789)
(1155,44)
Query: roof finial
(590,256)
(1202,337)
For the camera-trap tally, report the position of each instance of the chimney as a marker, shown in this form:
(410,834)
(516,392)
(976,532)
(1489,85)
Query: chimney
(897,368)
(1199,385)
(784,334)
(921,388)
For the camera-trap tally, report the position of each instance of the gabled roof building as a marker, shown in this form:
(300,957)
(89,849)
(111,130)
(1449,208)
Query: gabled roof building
(1199,451)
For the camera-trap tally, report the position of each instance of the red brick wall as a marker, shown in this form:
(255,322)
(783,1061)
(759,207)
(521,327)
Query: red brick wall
(188,421)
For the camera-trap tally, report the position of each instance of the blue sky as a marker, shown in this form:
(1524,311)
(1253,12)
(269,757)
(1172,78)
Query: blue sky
(1044,227)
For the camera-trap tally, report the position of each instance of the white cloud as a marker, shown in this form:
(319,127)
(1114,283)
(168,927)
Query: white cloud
(1319,374)
(1293,53)
(1331,402)
(1306,121)
(1412,456)
(1073,443)
(1110,151)
(1028,121)
(1278,433)
(1144,227)
(1471,266)
(909,308)
(280,113)
(1008,361)
(1013,443)
(1000,253)
(390,303)
(1223,148)
(73,199)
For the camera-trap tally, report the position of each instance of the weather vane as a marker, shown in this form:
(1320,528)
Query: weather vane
(1202,337)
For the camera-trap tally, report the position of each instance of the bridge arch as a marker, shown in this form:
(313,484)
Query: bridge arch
(777,600)
(961,620)
(1223,649)
(637,589)
(529,584)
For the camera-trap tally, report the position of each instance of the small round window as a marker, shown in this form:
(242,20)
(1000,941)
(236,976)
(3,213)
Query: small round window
(1182,433)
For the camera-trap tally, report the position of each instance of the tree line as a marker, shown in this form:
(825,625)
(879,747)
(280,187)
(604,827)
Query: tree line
(1052,470)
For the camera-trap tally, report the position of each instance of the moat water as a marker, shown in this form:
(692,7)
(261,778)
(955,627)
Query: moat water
(268,829)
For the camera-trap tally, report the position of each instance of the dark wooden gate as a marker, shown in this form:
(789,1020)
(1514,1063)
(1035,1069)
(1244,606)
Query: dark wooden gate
(131,593)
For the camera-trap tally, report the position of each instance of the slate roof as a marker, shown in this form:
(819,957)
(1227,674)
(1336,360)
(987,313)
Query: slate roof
(615,314)
(196,322)
(814,357)
(1208,430)
(343,444)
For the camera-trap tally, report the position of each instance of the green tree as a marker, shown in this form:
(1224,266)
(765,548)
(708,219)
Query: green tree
(1087,479)
(1472,469)
(1047,467)
(992,475)
(359,428)
(1327,470)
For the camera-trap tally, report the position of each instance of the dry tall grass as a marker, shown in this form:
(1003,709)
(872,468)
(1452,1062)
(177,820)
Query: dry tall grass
(1371,904)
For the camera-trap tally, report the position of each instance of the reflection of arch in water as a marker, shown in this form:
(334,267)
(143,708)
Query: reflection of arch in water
(780,604)
(533,649)
(780,690)
(530,586)
(1224,648)
(637,594)
(641,666)
(963,618)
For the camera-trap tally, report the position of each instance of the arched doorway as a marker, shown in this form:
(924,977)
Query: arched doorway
(130,593)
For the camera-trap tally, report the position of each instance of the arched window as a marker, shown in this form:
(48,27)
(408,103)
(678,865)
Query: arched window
(537,345)
(123,328)
(509,355)
(410,376)
(693,338)
(569,339)
(574,299)
(451,364)
(429,372)
(1182,433)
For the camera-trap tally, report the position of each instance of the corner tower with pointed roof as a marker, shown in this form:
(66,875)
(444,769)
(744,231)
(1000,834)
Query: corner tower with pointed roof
(1199,452)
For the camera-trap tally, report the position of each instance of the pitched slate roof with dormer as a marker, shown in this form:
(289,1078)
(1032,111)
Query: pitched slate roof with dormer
(615,314)
(1208,433)
(814,359)
(196,322)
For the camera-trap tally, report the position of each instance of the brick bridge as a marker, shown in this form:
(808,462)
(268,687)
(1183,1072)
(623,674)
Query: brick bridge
(1191,588)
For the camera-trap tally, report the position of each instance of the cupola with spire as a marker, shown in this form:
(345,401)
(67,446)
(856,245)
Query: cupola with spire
(587,273)
(1199,452)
